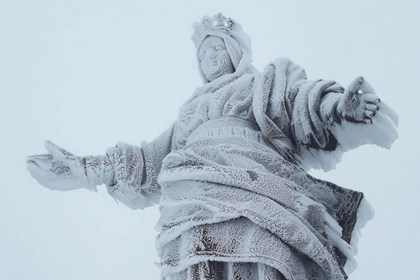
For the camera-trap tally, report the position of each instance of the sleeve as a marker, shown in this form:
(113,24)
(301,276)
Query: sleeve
(287,107)
(297,115)
(136,170)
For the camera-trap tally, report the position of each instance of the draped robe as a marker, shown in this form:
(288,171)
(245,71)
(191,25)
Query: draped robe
(228,176)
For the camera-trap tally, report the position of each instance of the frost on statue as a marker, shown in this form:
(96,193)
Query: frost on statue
(229,174)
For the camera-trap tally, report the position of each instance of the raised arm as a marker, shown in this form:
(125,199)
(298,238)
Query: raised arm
(129,172)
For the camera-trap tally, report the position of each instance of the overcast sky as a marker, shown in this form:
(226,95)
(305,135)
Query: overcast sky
(89,73)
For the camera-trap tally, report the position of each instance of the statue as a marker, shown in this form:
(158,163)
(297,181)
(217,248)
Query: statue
(229,174)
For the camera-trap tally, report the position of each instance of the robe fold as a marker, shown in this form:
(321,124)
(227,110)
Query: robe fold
(229,178)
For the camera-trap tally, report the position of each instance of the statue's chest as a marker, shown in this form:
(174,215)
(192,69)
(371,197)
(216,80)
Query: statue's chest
(234,99)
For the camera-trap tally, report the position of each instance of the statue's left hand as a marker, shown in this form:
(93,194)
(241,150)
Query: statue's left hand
(359,102)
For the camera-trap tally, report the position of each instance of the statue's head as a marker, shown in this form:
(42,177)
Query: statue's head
(214,59)
(222,46)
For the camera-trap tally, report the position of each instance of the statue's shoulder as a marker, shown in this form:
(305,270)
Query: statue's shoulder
(284,65)
(283,62)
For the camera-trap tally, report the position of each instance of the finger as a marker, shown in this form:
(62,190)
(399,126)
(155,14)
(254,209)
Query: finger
(44,161)
(42,157)
(356,84)
(371,98)
(44,164)
(57,151)
(372,107)
(370,114)
(366,87)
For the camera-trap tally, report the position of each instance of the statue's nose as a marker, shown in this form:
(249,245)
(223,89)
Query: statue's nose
(211,53)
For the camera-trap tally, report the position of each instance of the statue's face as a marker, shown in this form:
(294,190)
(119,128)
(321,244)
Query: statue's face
(214,58)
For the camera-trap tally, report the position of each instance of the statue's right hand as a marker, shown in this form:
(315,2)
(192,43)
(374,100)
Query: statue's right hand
(59,169)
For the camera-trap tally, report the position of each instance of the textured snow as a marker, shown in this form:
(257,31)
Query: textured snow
(226,156)
(231,163)
(365,213)
(382,132)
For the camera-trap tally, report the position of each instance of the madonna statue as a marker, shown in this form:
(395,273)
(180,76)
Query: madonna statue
(229,174)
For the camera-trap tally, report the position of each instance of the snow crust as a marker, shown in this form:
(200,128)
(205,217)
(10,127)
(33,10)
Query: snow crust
(365,213)
(381,132)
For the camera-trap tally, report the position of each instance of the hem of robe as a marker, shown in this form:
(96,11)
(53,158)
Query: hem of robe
(201,244)
(214,270)
(210,256)
(329,263)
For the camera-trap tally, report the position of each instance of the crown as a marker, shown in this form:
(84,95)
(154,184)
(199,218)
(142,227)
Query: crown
(217,23)
(224,27)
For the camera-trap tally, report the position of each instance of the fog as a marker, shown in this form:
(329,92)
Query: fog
(87,74)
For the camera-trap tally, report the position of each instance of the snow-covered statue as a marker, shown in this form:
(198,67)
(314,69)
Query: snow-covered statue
(229,174)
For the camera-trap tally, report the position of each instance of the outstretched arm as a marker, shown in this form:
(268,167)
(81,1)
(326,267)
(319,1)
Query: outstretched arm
(129,172)
(354,117)
(62,170)
(317,120)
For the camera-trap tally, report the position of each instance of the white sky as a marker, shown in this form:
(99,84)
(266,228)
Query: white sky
(87,74)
